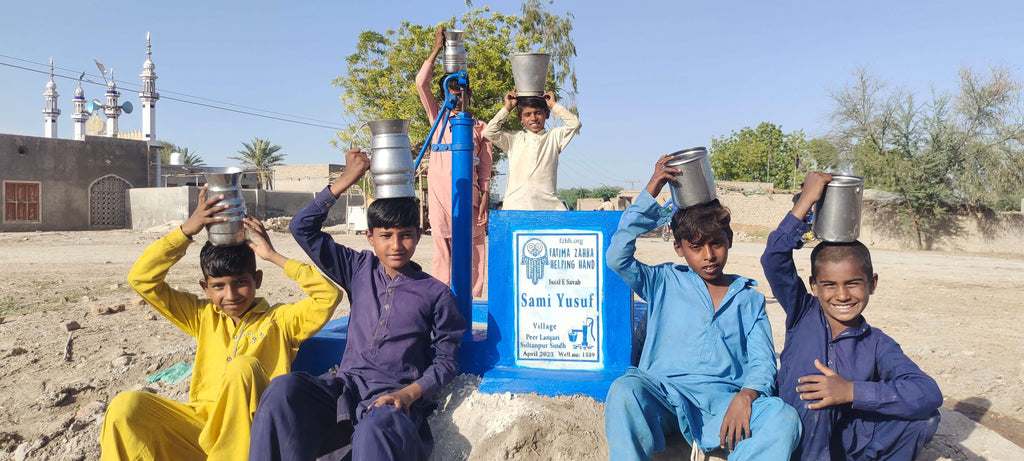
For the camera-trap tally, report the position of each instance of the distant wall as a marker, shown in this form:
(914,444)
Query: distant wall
(592,204)
(152,207)
(969,232)
(751,208)
(66,171)
(758,212)
(588,204)
(305,178)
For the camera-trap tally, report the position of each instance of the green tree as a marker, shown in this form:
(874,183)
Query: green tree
(762,154)
(262,156)
(380,79)
(951,150)
(604,192)
(820,154)
(571,196)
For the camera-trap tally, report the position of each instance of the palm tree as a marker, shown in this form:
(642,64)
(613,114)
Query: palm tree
(262,156)
(190,158)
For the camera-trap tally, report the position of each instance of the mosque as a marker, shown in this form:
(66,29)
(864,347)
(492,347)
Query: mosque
(106,178)
(50,183)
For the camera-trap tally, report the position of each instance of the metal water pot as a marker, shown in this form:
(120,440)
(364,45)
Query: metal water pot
(226,182)
(837,213)
(391,161)
(530,72)
(454,58)
(694,185)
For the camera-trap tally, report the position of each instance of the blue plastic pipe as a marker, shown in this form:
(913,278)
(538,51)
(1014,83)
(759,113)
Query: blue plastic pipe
(442,119)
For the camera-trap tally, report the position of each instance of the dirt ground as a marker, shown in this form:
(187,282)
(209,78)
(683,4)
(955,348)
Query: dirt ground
(956,315)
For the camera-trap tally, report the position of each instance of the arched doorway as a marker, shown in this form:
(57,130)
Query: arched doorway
(107,203)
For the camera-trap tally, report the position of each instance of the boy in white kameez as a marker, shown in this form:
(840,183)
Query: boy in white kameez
(532,152)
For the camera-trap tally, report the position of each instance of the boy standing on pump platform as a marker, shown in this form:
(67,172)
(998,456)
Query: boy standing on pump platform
(533,152)
(858,395)
(404,332)
(439,178)
(707,368)
(241,343)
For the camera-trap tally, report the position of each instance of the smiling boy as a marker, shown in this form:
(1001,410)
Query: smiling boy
(241,343)
(404,332)
(858,395)
(533,152)
(707,369)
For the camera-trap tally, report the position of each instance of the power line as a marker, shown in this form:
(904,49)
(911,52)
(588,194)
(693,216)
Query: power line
(132,87)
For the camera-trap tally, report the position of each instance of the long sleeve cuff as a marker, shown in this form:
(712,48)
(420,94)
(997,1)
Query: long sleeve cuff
(324,200)
(793,229)
(763,384)
(429,386)
(177,238)
(650,208)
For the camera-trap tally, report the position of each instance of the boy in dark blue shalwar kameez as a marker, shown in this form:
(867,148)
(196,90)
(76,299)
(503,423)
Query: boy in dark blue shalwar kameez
(858,395)
(403,336)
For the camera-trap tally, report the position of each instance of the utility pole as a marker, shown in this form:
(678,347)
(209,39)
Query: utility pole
(632,184)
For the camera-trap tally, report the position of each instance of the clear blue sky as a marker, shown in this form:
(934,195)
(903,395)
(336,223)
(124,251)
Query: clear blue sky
(654,77)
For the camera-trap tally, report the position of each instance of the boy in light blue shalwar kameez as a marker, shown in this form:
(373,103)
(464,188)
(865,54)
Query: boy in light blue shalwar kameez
(708,365)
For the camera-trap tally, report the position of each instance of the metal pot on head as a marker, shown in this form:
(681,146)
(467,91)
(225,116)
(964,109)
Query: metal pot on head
(694,185)
(530,72)
(391,161)
(226,182)
(454,57)
(837,213)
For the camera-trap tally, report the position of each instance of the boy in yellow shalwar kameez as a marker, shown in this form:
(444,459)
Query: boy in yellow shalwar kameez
(242,342)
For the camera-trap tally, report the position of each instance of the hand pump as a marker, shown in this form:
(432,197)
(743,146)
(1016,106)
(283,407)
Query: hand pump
(462,191)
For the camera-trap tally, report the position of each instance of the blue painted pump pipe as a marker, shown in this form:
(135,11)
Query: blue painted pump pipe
(462,215)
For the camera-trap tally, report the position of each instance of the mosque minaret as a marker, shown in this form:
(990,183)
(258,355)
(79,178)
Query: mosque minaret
(149,96)
(112,110)
(79,116)
(50,110)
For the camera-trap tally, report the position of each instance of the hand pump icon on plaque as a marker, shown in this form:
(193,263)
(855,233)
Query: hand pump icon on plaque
(586,330)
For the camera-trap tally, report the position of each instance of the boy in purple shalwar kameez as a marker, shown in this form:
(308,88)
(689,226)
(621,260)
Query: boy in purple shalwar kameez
(376,405)
(858,395)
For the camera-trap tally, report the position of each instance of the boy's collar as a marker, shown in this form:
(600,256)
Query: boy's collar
(849,332)
(745,281)
(415,271)
(259,306)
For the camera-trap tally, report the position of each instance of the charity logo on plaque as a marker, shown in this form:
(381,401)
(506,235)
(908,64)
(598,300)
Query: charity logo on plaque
(558,299)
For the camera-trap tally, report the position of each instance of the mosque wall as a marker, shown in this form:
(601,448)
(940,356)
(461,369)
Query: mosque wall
(62,184)
(151,207)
